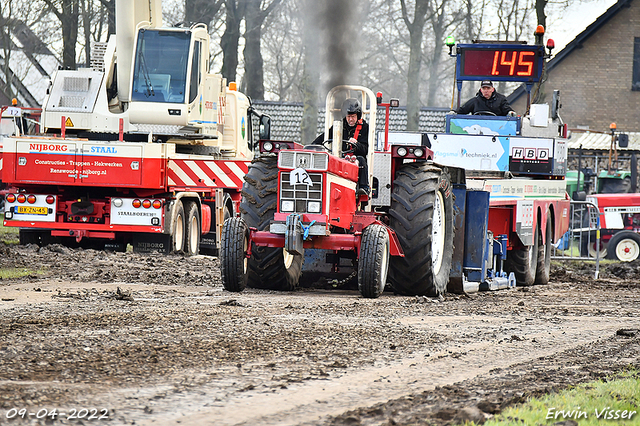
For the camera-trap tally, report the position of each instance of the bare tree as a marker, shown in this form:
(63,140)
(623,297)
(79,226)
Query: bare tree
(384,63)
(67,12)
(416,28)
(21,31)
(255,16)
(86,6)
(7,24)
(202,11)
(230,40)
(444,16)
(540,12)
(282,48)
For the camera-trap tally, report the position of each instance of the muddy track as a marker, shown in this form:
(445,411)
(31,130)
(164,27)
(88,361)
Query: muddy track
(155,340)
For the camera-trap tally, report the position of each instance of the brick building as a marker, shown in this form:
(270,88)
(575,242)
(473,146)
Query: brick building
(598,73)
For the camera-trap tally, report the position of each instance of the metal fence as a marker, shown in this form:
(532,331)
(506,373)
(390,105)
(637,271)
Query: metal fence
(582,240)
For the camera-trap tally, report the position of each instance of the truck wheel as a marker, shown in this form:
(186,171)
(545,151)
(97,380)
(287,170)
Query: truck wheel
(233,262)
(624,246)
(543,268)
(422,218)
(523,262)
(193,229)
(269,268)
(373,264)
(178,229)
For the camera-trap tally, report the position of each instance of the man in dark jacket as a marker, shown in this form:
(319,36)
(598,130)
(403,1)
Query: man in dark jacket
(355,130)
(487,101)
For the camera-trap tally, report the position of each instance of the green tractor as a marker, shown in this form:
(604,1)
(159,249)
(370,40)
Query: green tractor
(609,181)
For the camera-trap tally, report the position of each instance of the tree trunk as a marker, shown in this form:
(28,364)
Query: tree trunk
(253,72)
(69,20)
(86,26)
(542,17)
(416,29)
(253,63)
(6,27)
(230,39)
(201,11)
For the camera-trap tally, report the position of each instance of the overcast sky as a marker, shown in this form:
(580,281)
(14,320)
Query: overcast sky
(565,26)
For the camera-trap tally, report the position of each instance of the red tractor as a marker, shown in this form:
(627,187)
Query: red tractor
(297,198)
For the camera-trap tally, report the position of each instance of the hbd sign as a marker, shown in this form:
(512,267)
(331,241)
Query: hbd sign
(530,154)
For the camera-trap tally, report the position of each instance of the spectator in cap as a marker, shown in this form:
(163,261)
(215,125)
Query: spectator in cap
(487,102)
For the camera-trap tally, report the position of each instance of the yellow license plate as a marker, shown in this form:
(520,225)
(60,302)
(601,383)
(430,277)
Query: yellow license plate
(32,210)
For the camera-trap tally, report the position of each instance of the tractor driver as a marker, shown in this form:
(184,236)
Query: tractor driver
(487,101)
(355,130)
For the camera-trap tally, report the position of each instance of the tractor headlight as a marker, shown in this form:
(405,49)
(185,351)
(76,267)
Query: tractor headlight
(267,146)
(402,151)
(287,206)
(313,207)
(418,152)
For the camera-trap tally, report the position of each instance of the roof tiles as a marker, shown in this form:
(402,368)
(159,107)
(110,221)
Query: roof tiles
(286,118)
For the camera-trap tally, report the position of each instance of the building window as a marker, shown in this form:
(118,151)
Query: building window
(635,83)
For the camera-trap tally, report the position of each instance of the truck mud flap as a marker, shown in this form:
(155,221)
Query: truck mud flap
(209,244)
(150,243)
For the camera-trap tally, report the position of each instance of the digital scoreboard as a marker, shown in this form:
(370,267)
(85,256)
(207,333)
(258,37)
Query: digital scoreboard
(500,62)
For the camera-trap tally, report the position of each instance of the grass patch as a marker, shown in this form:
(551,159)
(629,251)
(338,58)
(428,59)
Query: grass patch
(10,273)
(8,234)
(615,401)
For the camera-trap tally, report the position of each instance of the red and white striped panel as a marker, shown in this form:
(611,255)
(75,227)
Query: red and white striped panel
(207,173)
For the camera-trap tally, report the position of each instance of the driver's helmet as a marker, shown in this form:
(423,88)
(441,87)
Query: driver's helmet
(352,106)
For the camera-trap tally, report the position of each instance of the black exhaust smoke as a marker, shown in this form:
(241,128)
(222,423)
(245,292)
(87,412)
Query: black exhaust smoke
(340,21)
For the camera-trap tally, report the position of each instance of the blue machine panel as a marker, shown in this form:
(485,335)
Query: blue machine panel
(476,226)
(483,125)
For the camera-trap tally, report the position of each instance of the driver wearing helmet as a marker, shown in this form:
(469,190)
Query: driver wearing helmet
(487,101)
(356,130)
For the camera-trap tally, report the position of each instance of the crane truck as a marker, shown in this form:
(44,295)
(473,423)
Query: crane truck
(147,147)
(474,208)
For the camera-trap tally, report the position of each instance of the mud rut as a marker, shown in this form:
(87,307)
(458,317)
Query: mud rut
(156,340)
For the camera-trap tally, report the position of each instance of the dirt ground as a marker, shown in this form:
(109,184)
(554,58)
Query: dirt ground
(155,340)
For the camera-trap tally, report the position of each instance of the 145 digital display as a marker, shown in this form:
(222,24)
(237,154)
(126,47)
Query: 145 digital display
(516,64)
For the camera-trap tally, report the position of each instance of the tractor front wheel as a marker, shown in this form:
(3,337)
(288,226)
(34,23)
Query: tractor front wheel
(624,246)
(421,215)
(233,263)
(373,263)
(268,268)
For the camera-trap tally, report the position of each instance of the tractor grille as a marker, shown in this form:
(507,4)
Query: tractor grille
(298,196)
(306,160)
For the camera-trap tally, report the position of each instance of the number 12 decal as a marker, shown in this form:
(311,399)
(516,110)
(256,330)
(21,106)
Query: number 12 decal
(300,177)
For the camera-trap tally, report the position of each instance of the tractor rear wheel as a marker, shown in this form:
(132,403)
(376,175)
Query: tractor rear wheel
(373,263)
(268,267)
(233,263)
(421,215)
(523,262)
